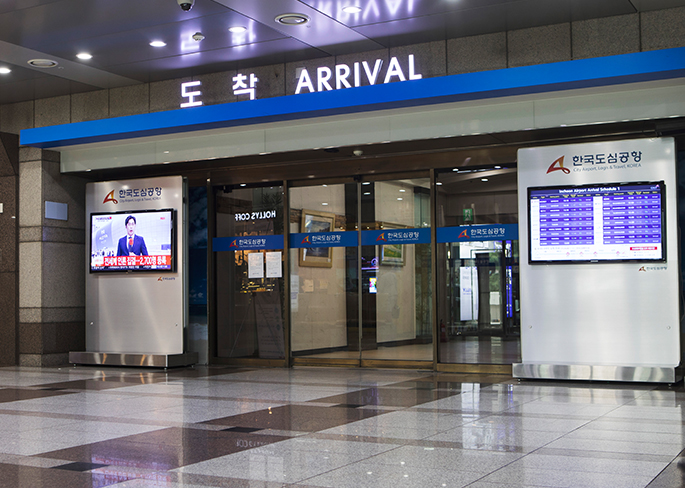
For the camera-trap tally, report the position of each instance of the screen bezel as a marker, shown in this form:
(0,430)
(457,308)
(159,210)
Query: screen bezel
(662,188)
(141,269)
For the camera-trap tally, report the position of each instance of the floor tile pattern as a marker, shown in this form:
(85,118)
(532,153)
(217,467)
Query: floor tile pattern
(314,428)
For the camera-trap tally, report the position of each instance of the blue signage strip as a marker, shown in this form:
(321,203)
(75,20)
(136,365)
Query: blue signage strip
(581,73)
(490,232)
(324,239)
(247,243)
(396,236)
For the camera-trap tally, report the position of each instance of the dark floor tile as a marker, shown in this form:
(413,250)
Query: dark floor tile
(388,397)
(164,449)
(671,477)
(244,430)
(81,467)
(85,385)
(14,476)
(302,418)
(15,394)
(206,371)
(430,384)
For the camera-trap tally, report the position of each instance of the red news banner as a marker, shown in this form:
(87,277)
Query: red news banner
(136,261)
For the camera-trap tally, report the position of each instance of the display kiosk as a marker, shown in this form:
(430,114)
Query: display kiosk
(136,279)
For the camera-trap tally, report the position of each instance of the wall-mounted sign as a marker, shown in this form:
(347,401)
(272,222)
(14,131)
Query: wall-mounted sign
(321,79)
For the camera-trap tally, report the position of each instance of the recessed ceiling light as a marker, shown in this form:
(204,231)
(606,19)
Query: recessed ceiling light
(243,184)
(399,199)
(498,167)
(439,183)
(292,19)
(483,179)
(352,9)
(84,56)
(456,170)
(402,190)
(238,29)
(158,44)
(5,71)
(324,203)
(42,63)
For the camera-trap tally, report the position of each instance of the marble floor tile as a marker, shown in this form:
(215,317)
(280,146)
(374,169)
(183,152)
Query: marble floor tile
(369,475)
(324,427)
(518,475)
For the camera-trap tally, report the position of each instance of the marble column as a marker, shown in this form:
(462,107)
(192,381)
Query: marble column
(52,255)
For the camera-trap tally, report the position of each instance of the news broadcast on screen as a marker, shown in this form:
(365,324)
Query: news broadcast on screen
(132,241)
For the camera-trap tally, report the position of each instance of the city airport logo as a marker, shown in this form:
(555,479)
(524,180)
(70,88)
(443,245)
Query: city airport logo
(306,240)
(234,243)
(162,278)
(652,268)
(110,198)
(381,238)
(558,165)
(464,233)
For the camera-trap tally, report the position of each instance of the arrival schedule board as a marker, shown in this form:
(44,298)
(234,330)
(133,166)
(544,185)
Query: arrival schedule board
(596,223)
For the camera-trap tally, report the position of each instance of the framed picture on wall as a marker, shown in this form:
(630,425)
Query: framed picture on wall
(313,221)
(392,254)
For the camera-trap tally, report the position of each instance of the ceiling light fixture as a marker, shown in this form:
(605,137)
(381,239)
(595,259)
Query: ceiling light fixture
(158,44)
(238,29)
(352,9)
(42,63)
(198,36)
(84,56)
(292,19)
(483,179)
(5,71)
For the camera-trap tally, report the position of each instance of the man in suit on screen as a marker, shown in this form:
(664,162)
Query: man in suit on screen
(131,244)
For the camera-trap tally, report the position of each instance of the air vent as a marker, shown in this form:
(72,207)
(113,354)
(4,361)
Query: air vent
(42,63)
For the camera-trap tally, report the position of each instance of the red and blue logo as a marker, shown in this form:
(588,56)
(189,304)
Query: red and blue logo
(464,233)
(381,238)
(306,240)
(558,165)
(110,198)
(234,243)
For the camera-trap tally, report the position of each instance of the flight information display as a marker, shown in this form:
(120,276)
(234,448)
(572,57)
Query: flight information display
(591,223)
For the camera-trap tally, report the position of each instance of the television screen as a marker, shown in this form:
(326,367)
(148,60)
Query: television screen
(132,241)
(597,223)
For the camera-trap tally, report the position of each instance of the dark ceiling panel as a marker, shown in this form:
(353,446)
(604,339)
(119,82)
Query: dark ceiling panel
(379,11)
(133,46)
(118,32)
(251,55)
(68,21)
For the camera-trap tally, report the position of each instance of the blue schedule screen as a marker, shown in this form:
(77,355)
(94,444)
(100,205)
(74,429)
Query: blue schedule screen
(608,222)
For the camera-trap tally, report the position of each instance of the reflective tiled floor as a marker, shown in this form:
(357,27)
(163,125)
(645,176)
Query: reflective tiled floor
(268,428)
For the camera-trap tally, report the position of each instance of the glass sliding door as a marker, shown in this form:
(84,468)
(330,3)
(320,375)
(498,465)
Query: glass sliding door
(376,272)
(396,270)
(248,272)
(478,292)
(324,272)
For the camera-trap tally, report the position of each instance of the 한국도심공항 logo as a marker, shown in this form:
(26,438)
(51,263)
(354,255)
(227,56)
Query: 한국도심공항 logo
(110,198)
(558,165)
